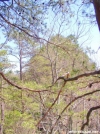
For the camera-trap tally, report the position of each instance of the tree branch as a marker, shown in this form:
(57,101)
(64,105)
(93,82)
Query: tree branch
(81,96)
(65,80)
(19,87)
(80,76)
(52,104)
(31,35)
(88,116)
(96,4)
(77,77)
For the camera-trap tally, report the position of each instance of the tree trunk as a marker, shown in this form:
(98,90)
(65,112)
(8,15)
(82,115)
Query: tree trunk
(96,4)
(20,56)
(21,77)
(2,111)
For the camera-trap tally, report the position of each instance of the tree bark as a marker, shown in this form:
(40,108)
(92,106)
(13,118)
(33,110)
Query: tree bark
(2,111)
(20,58)
(96,4)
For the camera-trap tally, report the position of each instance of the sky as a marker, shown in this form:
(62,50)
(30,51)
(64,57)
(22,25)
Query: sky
(90,32)
(92,38)
(95,45)
(93,42)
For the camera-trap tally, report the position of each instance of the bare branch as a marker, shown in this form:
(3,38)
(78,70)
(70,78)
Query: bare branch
(19,87)
(31,35)
(77,77)
(65,80)
(81,96)
(88,116)
(52,104)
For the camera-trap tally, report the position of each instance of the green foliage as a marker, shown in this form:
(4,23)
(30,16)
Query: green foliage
(33,85)
(15,118)
(3,59)
(23,108)
(3,53)
(24,22)
(54,60)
